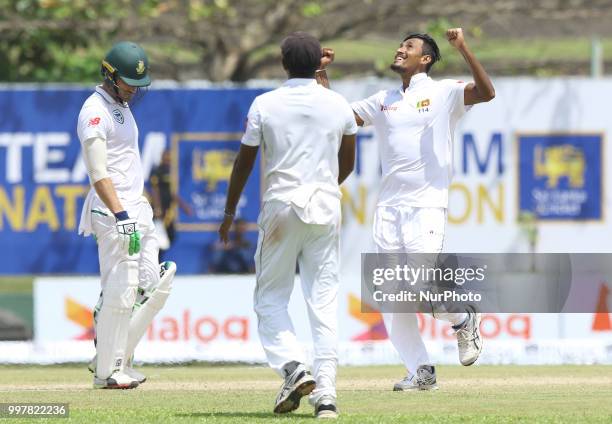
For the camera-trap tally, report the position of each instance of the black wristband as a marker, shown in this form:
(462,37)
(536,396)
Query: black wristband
(122,216)
(226,213)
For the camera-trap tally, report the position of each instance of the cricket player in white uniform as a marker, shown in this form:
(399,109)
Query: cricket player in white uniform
(415,126)
(307,134)
(120,218)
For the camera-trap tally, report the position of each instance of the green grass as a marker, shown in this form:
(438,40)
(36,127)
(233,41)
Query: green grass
(16,297)
(16,285)
(184,394)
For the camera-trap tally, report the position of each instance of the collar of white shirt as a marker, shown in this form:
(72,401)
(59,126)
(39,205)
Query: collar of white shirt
(102,92)
(296,82)
(416,81)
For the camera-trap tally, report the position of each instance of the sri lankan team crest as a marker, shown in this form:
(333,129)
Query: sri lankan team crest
(423,105)
(203,165)
(212,166)
(560,176)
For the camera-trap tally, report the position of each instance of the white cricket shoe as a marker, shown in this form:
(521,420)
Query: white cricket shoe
(469,340)
(127,369)
(425,379)
(138,376)
(296,385)
(326,408)
(118,380)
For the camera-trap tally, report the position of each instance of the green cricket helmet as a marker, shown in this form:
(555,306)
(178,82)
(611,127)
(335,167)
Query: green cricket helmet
(128,61)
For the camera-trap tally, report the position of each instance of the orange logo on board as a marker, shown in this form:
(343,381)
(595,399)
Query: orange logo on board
(81,316)
(601,318)
(368,316)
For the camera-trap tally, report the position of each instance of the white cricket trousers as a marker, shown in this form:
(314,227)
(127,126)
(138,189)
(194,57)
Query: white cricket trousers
(410,230)
(109,251)
(121,275)
(283,240)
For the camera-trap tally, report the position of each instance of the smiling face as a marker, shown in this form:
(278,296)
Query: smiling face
(409,57)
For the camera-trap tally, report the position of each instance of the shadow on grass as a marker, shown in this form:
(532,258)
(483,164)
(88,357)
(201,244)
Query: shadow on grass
(242,415)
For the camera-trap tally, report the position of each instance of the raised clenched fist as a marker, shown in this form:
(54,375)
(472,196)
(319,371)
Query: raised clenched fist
(455,37)
(327,57)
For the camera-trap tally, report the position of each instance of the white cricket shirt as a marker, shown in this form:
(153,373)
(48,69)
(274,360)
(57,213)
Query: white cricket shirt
(415,131)
(101,116)
(300,127)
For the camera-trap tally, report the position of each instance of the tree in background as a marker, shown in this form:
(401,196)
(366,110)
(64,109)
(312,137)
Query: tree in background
(62,40)
(219,40)
(53,40)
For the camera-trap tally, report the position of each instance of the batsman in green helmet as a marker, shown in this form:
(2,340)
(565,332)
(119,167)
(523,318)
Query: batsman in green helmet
(134,285)
(125,69)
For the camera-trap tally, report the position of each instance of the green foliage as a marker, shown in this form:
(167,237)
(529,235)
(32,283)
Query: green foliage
(151,8)
(437,28)
(312,9)
(200,9)
(476,32)
(54,40)
(62,40)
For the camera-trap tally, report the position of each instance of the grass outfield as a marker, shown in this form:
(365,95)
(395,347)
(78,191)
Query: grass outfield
(16,284)
(239,394)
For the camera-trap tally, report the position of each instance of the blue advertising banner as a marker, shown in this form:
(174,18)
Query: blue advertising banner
(203,165)
(560,176)
(43,180)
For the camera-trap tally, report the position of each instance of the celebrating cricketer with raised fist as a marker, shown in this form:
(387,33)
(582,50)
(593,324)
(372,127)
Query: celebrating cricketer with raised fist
(415,125)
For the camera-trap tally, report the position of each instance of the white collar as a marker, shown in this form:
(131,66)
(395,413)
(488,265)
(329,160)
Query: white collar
(296,82)
(110,99)
(415,81)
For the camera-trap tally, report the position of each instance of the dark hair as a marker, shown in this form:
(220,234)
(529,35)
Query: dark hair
(429,47)
(301,55)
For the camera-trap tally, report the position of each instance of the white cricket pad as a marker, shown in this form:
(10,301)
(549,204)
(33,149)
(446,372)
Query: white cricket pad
(113,320)
(148,305)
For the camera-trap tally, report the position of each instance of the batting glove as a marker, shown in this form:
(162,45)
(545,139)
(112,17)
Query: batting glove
(129,236)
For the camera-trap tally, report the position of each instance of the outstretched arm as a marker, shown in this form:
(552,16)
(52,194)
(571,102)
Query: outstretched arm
(481,90)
